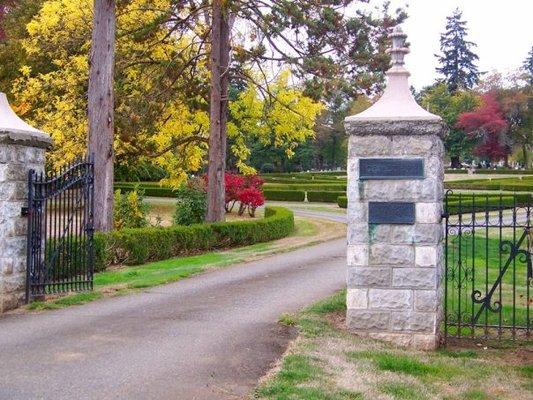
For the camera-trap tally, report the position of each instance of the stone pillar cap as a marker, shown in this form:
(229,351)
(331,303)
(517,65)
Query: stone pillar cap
(15,130)
(397,102)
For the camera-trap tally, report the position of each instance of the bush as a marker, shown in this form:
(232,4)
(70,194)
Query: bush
(130,211)
(142,171)
(191,206)
(342,201)
(267,167)
(142,245)
(468,203)
(492,171)
(284,195)
(333,187)
(324,197)
(150,189)
(250,199)
(509,184)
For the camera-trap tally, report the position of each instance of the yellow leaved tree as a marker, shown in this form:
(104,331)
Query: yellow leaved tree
(161,91)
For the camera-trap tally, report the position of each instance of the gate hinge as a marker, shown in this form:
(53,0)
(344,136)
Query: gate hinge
(24,211)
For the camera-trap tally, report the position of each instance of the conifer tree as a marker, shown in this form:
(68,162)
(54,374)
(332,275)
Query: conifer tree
(528,66)
(457,61)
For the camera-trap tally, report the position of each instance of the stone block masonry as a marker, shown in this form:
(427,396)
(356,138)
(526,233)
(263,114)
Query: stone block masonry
(395,269)
(21,148)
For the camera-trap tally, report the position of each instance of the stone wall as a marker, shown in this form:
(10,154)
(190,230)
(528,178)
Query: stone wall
(18,154)
(394,271)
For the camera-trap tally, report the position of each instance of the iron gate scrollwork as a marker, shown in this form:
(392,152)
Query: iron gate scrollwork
(60,249)
(489,272)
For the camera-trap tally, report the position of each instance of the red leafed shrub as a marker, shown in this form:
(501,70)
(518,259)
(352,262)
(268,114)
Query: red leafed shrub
(250,199)
(488,123)
(244,189)
(234,184)
(254,181)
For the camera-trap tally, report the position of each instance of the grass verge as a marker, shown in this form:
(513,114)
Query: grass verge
(328,363)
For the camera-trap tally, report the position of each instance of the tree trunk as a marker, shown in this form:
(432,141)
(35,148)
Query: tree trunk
(101,110)
(220,49)
(455,162)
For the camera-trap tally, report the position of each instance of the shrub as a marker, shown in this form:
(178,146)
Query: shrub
(142,245)
(130,211)
(342,201)
(324,197)
(284,195)
(509,184)
(250,199)
(149,188)
(334,187)
(191,206)
(267,167)
(234,183)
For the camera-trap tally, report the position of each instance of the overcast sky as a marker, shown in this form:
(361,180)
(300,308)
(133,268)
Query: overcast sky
(502,30)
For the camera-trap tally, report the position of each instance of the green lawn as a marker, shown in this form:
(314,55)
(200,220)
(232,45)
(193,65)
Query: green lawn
(474,263)
(328,363)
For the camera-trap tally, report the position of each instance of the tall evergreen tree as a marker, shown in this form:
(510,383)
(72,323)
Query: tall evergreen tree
(457,61)
(528,66)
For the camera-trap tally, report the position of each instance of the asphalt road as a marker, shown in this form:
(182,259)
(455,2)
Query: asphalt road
(207,337)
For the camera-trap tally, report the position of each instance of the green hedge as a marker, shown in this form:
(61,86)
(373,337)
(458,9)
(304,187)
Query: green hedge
(467,203)
(149,188)
(508,184)
(290,181)
(342,201)
(306,187)
(492,171)
(324,197)
(284,195)
(142,245)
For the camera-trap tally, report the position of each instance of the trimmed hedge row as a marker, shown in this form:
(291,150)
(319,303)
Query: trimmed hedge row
(149,189)
(509,184)
(468,203)
(305,181)
(306,187)
(342,201)
(142,245)
(284,195)
(324,197)
(492,171)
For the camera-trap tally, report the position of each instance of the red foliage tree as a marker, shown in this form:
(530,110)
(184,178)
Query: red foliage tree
(244,189)
(250,198)
(234,184)
(488,124)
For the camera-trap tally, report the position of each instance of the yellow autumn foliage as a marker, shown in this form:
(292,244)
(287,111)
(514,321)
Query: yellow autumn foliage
(152,121)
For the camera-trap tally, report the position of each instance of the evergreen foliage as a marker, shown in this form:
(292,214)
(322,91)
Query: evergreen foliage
(457,61)
(528,66)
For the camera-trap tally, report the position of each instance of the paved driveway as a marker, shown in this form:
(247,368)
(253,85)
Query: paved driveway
(207,337)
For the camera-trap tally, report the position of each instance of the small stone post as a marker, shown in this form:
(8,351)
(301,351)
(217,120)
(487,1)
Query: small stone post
(21,148)
(395,192)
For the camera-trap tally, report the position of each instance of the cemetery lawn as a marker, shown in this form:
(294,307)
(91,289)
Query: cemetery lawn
(327,363)
(123,280)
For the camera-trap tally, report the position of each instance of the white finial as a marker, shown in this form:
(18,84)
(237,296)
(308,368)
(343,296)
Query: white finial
(10,123)
(397,102)
(398,50)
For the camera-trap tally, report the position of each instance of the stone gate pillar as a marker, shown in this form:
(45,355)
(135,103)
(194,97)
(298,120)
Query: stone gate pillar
(395,192)
(21,148)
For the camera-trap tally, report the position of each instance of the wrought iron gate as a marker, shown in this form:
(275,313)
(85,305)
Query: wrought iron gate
(488,273)
(60,230)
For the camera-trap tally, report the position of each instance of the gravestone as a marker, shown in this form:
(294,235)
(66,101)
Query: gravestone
(395,192)
(21,148)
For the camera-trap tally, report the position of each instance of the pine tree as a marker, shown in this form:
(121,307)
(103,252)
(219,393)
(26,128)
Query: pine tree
(528,66)
(457,62)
